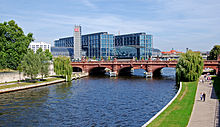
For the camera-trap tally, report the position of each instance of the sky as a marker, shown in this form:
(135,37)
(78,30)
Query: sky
(177,24)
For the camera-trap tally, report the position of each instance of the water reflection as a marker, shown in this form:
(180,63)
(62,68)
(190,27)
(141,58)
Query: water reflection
(91,101)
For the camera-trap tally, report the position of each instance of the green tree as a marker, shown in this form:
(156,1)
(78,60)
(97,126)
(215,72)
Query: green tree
(48,54)
(189,66)
(214,53)
(109,58)
(62,67)
(13,44)
(94,58)
(30,64)
(44,63)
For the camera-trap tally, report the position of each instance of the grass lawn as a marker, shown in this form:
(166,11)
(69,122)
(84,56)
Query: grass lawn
(27,83)
(216,84)
(179,112)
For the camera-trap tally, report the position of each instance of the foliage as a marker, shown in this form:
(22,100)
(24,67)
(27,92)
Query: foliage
(189,66)
(109,58)
(216,82)
(62,67)
(48,54)
(34,64)
(214,53)
(13,44)
(44,63)
(94,58)
(30,64)
(179,112)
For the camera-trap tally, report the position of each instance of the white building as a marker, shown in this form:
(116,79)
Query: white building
(36,45)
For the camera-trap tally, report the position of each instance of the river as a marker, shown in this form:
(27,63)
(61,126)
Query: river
(91,101)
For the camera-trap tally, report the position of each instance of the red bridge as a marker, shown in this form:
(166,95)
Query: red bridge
(125,66)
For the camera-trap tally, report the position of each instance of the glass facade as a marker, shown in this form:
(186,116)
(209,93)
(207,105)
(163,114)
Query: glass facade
(104,45)
(142,43)
(125,52)
(64,42)
(99,45)
(62,51)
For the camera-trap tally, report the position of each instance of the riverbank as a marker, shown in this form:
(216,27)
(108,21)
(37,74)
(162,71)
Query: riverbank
(15,86)
(178,113)
(10,87)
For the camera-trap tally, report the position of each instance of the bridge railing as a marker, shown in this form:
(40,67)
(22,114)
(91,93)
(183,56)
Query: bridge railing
(127,62)
(141,62)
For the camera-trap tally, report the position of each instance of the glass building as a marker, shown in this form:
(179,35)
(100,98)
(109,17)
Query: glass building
(104,45)
(99,45)
(62,51)
(141,42)
(125,52)
(64,42)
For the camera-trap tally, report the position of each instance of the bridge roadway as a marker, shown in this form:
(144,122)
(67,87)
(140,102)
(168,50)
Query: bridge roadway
(153,66)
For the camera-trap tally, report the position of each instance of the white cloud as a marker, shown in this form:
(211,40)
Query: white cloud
(88,3)
(174,24)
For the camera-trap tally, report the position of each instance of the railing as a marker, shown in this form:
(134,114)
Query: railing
(126,62)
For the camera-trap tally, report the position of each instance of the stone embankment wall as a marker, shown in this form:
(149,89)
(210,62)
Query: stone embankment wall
(14,76)
(10,76)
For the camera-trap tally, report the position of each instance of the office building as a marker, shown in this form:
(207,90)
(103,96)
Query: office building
(36,45)
(139,45)
(99,45)
(62,51)
(64,42)
(105,45)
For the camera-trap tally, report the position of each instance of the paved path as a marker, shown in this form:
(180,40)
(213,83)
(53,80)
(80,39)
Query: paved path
(204,114)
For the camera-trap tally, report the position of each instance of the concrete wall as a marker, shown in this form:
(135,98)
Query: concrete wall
(14,76)
(10,76)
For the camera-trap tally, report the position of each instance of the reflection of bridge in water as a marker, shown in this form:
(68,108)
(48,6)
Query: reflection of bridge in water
(119,67)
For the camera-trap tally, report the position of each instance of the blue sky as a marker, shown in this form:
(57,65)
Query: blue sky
(177,24)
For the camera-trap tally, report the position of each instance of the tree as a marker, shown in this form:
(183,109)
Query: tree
(109,58)
(189,66)
(31,64)
(44,63)
(94,58)
(48,54)
(62,67)
(214,53)
(13,44)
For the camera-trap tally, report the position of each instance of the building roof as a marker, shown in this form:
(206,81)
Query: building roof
(39,43)
(171,52)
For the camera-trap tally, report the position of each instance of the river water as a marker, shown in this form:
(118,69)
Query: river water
(91,101)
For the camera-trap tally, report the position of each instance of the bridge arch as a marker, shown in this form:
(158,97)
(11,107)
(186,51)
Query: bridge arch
(125,70)
(77,69)
(98,70)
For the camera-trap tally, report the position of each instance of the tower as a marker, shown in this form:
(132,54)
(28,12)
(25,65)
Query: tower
(77,42)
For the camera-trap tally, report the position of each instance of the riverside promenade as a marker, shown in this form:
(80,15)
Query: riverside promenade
(205,113)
